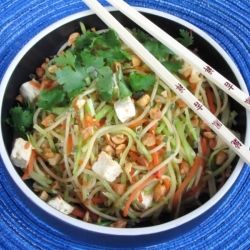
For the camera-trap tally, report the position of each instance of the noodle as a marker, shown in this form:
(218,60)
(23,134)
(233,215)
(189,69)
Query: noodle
(125,172)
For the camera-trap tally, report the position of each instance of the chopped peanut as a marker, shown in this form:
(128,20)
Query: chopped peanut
(221,158)
(87,132)
(40,72)
(109,141)
(204,126)
(44,196)
(149,140)
(143,101)
(164,93)
(181,104)
(119,149)
(44,65)
(48,154)
(54,160)
(195,121)
(52,69)
(118,139)
(119,224)
(119,188)
(72,38)
(184,168)
(116,66)
(109,150)
(155,113)
(48,120)
(20,98)
(136,61)
(195,77)
(159,192)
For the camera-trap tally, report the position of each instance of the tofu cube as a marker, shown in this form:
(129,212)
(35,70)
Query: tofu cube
(61,205)
(106,167)
(125,109)
(21,153)
(147,200)
(29,92)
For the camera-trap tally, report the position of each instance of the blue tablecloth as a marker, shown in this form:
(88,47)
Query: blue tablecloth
(228,22)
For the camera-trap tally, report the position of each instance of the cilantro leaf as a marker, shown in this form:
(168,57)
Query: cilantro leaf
(85,40)
(52,98)
(90,60)
(157,49)
(20,119)
(113,55)
(141,35)
(66,59)
(174,67)
(141,82)
(73,81)
(104,83)
(186,38)
(107,39)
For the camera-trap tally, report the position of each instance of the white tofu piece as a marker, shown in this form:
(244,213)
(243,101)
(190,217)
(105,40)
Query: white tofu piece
(61,205)
(106,167)
(21,153)
(125,109)
(29,92)
(147,200)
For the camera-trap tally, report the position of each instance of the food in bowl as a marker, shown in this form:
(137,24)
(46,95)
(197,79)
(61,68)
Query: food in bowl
(107,142)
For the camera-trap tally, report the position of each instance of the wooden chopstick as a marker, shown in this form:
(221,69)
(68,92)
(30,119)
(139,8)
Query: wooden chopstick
(222,131)
(205,69)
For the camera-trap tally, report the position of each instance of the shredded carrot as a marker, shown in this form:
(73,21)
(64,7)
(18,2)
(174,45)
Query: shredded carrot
(152,130)
(141,160)
(134,195)
(69,145)
(30,167)
(210,99)
(35,84)
(192,87)
(119,188)
(102,122)
(77,212)
(140,198)
(155,158)
(98,200)
(212,143)
(167,184)
(137,123)
(89,121)
(161,172)
(47,84)
(204,146)
(178,194)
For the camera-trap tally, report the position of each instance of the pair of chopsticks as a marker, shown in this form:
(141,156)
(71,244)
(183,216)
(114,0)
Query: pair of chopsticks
(222,131)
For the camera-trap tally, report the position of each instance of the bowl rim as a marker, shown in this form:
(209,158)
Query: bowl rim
(97,228)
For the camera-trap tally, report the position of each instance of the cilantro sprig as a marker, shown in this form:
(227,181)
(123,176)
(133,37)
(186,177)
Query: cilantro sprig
(52,98)
(21,119)
(186,38)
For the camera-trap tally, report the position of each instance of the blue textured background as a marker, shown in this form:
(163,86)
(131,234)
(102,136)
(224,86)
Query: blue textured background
(228,22)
